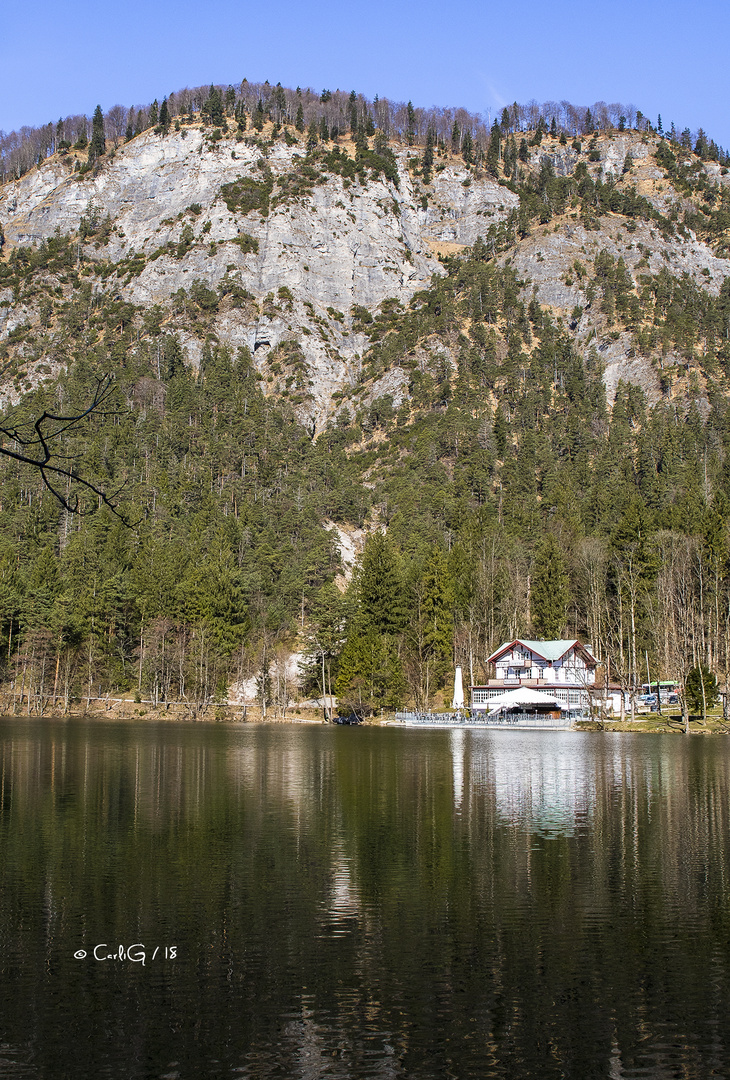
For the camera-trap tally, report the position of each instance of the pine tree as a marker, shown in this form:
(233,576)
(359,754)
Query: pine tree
(97,146)
(438,630)
(299,122)
(164,116)
(509,163)
(500,431)
(410,124)
(371,674)
(493,150)
(354,684)
(173,356)
(279,100)
(213,107)
(700,690)
(455,138)
(381,595)
(550,593)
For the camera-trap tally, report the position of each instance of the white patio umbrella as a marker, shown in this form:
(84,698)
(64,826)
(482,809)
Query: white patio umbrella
(523,696)
(458,699)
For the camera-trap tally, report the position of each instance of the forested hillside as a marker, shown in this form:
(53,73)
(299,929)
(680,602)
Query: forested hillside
(500,353)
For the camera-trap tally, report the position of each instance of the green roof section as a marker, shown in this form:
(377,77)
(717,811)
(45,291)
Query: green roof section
(547,650)
(550,650)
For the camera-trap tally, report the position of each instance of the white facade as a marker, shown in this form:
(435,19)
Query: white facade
(566,669)
(550,661)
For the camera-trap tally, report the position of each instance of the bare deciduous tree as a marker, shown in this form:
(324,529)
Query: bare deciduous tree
(38,443)
(115,123)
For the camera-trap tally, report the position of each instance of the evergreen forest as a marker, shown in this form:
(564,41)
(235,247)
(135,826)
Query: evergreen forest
(503,496)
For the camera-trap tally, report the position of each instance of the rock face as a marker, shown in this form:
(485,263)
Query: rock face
(337,245)
(318,246)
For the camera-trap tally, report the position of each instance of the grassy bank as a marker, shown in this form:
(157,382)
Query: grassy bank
(670,722)
(129,709)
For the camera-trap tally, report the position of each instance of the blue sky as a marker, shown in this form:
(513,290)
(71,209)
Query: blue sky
(668,57)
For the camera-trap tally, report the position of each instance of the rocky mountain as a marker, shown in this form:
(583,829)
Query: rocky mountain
(298,244)
(318,246)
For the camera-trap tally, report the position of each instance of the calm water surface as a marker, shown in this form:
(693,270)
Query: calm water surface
(354,903)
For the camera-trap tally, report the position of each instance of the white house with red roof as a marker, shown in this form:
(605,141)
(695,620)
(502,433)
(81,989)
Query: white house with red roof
(565,670)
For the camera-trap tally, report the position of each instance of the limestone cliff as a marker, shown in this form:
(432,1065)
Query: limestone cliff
(294,249)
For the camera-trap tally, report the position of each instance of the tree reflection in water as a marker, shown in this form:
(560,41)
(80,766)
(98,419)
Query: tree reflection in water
(367,902)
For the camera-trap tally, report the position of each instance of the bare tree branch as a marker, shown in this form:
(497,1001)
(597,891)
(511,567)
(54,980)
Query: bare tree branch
(38,442)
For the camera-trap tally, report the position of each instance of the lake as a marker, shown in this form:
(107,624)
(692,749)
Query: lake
(294,901)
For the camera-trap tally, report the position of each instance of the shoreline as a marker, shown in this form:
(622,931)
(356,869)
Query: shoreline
(129,709)
(228,712)
(240,714)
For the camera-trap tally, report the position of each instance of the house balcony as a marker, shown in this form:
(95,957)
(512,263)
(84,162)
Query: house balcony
(563,677)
